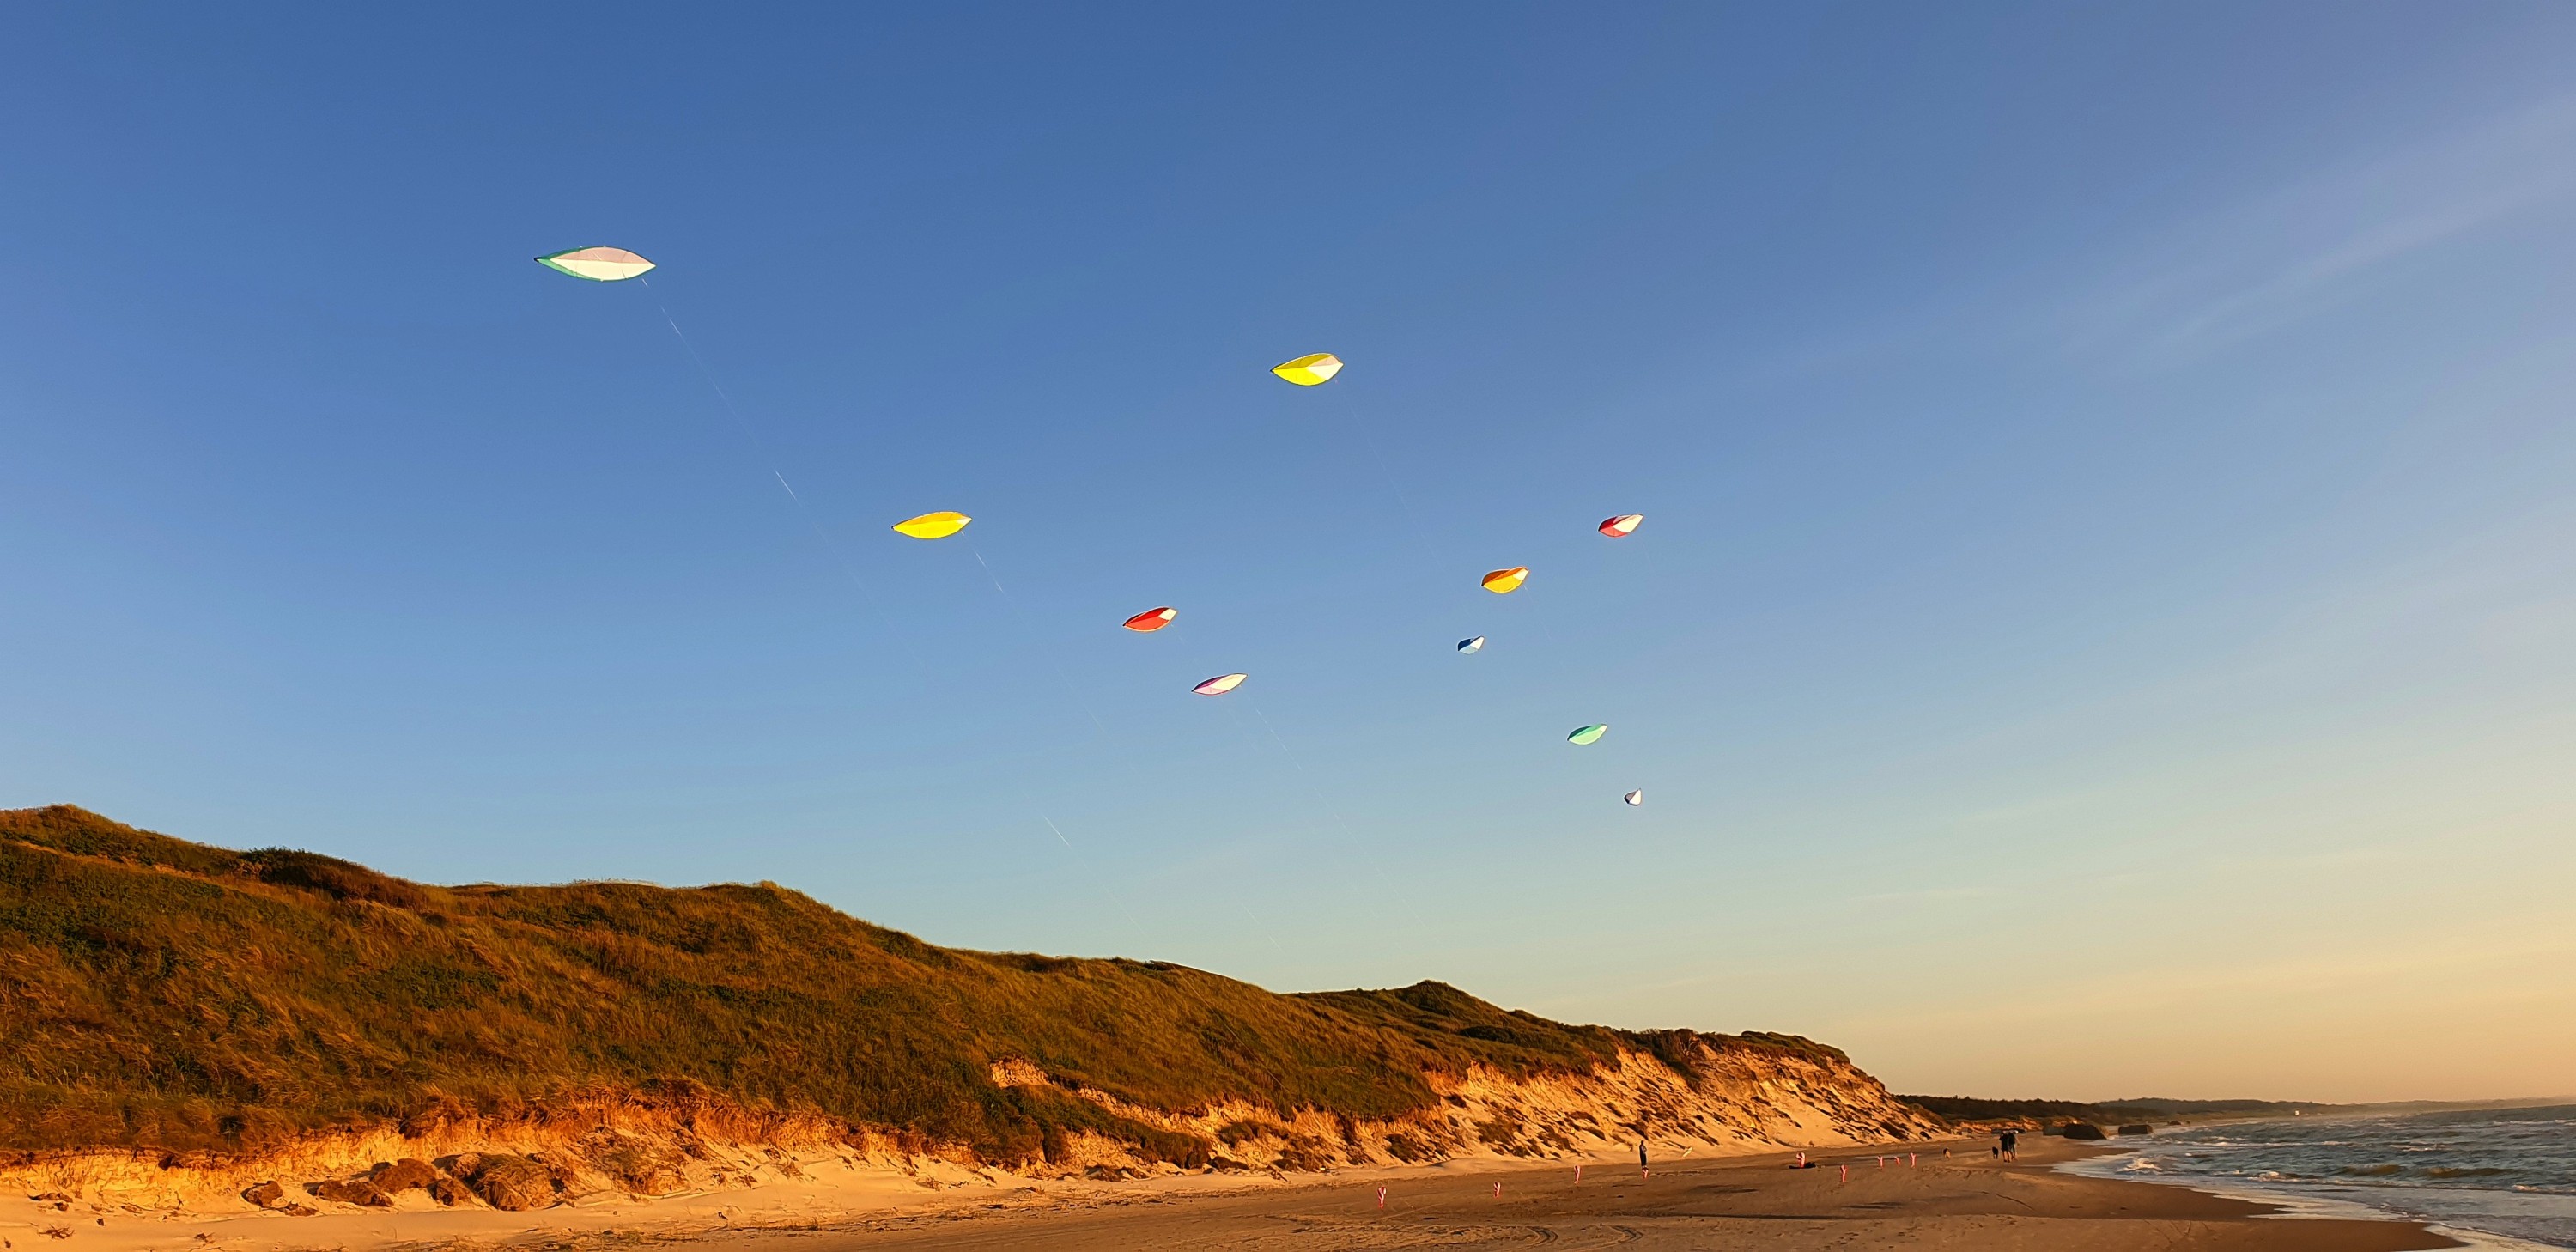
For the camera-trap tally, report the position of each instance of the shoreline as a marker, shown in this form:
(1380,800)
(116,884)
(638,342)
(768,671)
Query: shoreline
(2296,1203)
(1965,1200)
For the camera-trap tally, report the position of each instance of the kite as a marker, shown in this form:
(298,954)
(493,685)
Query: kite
(1588,734)
(1506,581)
(1476,644)
(1220,684)
(1152,619)
(1624,524)
(1310,371)
(932,525)
(1635,799)
(599,265)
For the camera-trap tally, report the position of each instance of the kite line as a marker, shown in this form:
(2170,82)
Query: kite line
(760,450)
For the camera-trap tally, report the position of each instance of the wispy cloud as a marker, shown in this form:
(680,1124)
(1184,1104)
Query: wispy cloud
(2314,243)
(2165,295)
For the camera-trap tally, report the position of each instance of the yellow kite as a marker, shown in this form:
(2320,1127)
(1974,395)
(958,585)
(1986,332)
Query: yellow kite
(932,525)
(1505,581)
(1310,371)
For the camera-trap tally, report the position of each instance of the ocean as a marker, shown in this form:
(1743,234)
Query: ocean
(2503,1172)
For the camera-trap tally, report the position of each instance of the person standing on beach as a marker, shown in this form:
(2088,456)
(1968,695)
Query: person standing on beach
(2004,1144)
(1642,1171)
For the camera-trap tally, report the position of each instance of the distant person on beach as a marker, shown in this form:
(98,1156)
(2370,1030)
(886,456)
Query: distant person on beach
(2004,1145)
(1642,1171)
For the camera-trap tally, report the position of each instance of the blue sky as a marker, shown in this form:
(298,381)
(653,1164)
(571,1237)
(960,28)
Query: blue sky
(2103,623)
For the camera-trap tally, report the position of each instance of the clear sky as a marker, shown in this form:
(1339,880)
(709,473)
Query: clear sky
(2105,620)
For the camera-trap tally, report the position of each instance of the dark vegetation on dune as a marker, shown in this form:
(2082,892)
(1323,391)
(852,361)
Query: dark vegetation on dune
(157,993)
(2144,1109)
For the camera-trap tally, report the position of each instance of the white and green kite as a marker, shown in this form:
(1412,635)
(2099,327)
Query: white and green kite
(599,265)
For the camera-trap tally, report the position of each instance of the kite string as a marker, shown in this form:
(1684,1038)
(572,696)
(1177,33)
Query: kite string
(1303,775)
(1022,619)
(1384,469)
(1126,760)
(1199,664)
(760,450)
(1226,701)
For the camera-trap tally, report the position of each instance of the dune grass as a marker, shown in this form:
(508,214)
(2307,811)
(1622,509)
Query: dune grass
(165,994)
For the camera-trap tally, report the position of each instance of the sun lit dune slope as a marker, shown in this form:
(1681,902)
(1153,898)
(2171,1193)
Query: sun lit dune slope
(161,993)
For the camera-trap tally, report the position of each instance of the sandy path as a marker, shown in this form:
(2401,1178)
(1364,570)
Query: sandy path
(1963,1202)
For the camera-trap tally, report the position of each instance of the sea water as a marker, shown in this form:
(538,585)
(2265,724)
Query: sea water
(2509,1172)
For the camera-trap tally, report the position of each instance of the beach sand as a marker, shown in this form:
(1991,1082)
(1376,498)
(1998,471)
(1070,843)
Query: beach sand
(1965,1201)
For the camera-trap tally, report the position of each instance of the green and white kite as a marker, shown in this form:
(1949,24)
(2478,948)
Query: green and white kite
(1588,734)
(599,265)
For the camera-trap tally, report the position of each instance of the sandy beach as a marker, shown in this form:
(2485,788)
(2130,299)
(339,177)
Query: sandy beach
(1966,1200)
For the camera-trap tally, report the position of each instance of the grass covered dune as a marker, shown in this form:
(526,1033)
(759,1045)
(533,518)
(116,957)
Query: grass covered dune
(158,994)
